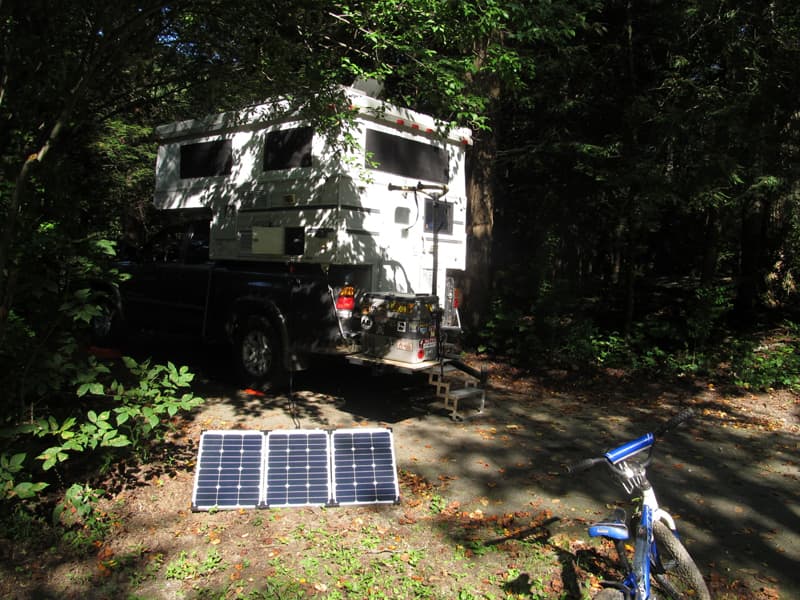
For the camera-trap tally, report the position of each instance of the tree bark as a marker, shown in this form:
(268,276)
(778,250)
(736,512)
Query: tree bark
(480,229)
(750,283)
(710,249)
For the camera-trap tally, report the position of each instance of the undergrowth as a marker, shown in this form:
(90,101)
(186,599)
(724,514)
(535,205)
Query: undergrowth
(691,337)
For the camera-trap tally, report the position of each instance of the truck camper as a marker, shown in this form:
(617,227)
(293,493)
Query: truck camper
(289,241)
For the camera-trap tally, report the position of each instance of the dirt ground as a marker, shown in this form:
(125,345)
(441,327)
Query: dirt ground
(730,477)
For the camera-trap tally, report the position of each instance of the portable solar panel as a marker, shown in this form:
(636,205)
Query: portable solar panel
(364,469)
(297,471)
(229,467)
(298,467)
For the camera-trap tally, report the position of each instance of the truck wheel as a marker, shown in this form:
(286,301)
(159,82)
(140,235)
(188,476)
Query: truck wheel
(257,353)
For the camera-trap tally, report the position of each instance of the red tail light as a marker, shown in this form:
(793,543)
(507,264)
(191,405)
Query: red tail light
(346,299)
(457,298)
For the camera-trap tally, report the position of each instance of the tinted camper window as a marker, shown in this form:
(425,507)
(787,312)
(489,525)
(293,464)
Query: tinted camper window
(442,213)
(288,149)
(206,159)
(408,158)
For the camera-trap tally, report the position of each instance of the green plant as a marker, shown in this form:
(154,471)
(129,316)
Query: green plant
(437,504)
(188,566)
(83,525)
(138,415)
(773,364)
(703,316)
(11,467)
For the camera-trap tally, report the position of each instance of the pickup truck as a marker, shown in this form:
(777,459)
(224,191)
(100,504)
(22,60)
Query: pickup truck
(272,314)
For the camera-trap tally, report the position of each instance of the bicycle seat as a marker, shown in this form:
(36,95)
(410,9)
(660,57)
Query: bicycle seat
(613,526)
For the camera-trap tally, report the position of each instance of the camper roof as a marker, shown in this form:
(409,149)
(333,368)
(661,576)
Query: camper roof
(278,111)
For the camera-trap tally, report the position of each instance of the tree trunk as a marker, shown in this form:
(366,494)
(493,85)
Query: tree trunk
(480,229)
(710,248)
(750,284)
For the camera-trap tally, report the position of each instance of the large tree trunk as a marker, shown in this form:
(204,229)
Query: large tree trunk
(751,281)
(480,228)
(710,249)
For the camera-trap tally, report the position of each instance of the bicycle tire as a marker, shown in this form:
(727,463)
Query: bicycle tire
(676,574)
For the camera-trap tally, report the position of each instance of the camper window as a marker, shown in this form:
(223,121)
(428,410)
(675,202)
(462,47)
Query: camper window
(443,213)
(404,157)
(288,149)
(206,159)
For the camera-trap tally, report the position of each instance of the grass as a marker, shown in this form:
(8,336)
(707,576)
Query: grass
(425,548)
(146,544)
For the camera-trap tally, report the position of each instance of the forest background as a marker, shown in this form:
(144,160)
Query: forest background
(633,183)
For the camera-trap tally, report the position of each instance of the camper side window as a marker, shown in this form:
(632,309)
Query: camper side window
(206,159)
(288,148)
(404,157)
(440,213)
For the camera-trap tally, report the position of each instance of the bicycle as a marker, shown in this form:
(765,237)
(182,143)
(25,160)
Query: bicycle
(658,551)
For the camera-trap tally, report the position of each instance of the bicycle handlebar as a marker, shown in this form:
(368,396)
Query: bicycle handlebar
(585,464)
(682,416)
(629,448)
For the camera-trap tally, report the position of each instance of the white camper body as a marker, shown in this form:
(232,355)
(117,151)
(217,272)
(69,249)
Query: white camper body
(279,191)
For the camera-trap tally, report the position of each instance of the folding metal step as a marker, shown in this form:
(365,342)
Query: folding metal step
(457,387)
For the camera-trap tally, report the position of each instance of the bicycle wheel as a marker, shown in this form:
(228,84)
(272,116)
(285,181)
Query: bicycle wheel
(676,574)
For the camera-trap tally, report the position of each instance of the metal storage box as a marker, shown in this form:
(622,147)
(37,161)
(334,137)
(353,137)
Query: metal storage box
(399,327)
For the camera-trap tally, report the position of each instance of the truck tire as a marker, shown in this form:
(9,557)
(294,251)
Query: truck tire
(257,353)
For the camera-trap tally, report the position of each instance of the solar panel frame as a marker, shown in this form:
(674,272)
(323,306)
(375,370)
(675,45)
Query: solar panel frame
(229,470)
(364,468)
(297,468)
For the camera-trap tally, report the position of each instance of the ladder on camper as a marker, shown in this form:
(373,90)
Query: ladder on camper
(455,382)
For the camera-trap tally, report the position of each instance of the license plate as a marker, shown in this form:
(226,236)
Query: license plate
(405,345)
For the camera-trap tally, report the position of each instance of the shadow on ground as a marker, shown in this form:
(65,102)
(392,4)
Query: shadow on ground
(731,476)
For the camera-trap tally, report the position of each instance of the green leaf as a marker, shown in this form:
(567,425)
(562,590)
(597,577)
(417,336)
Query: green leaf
(50,457)
(15,464)
(119,441)
(107,247)
(28,489)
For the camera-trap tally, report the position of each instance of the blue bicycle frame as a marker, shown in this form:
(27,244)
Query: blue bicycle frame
(632,476)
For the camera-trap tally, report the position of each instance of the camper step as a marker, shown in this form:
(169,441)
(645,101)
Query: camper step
(454,384)
(452,398)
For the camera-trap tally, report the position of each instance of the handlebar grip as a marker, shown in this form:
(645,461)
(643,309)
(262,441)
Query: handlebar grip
(682,416)
(585,464)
